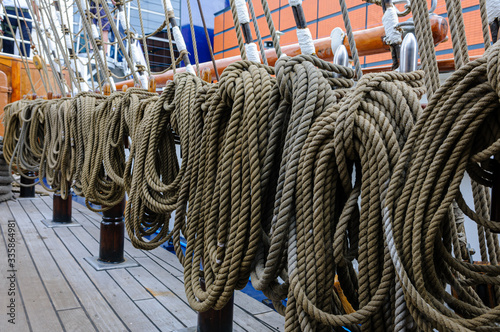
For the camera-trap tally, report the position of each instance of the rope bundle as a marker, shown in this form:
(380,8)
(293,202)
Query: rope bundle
(290,176)
(459,130)
(361,137)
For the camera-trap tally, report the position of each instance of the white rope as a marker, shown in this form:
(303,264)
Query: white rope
(305,41)
(390,21)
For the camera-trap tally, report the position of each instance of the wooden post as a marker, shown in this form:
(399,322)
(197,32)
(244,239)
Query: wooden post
(61,209)
(216,320)
(152,84)
(112,234)
(27,192)
(112,237)
(112,225)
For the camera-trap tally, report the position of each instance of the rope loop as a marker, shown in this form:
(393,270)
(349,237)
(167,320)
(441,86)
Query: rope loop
(493,67)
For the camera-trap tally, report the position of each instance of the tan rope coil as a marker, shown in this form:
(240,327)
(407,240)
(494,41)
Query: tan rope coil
(459,129)
(291,176)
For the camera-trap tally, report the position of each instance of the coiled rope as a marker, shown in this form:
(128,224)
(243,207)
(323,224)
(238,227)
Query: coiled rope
(291,176)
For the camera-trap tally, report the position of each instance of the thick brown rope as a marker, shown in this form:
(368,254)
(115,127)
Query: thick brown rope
(290,176)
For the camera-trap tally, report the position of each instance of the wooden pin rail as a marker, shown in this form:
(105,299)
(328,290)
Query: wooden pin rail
(368,42)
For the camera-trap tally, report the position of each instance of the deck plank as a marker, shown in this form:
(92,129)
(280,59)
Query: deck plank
(168,260)
(130,314)
(39,308)
(130,285)
(275,320)
(75,320)
(247,322)
(168,297)
(59,291)
(99,311)
(250,304)
(159,315)
(149,297)
(20,321)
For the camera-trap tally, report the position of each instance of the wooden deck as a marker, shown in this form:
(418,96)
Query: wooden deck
(57,290)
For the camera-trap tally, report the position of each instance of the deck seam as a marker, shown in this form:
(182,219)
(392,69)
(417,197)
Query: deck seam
(17,282)
(90,279)
(72,231)
(62,273)
(35,265)
(170,312)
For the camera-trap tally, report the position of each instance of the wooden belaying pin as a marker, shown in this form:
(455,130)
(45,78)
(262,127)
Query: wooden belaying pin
(106,89)
(206,75)
(124,88)
(152,84)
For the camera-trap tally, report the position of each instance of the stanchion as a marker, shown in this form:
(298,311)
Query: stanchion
(112,240)
(61,213)
(27,192)
(216,320)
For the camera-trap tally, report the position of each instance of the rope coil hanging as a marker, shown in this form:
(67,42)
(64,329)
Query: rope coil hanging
(291,176)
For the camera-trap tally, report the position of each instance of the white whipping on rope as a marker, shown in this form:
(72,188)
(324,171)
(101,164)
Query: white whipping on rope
(252,52)
(306,42)
(244,18)
(390,21)
(241,8)
(493,9)
(181,46)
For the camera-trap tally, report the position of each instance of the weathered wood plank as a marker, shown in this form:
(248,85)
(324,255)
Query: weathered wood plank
(37,303)
(159,315)
(247,322)
(18,319)
(162,272)
(275,320)
(59,291)
(129,284)
(126,309)
(75,320)
(171,299)
(98,310)
(168,260)
(250,304)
